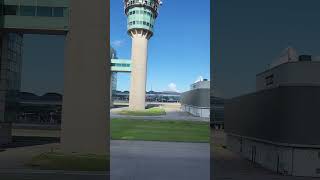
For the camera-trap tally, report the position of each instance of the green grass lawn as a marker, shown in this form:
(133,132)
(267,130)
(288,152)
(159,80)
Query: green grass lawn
(74,162)
(155,111)
(155,130)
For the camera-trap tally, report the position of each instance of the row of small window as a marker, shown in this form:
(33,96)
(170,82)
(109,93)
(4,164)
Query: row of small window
(140,23)
(120,65)
(34,11)
(142,12)
(144,2)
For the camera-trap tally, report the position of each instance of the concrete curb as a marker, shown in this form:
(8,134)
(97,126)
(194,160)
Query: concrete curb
(33,171)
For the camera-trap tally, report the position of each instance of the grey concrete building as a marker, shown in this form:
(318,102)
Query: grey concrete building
(278,125)
(197,100)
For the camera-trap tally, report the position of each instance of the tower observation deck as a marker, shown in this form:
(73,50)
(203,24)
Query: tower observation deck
(141,20)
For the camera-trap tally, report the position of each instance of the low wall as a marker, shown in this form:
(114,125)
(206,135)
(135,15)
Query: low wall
(283,159)
(5,133)
(196,111)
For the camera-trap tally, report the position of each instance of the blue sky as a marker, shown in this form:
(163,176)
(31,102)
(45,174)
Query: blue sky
(249,35)
(179,51)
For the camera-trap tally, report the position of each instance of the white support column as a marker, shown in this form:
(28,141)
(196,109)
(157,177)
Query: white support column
(138,70)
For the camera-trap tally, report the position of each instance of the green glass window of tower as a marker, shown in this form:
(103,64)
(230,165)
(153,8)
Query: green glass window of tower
(141,14)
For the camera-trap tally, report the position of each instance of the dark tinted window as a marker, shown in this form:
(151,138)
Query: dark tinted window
(269,80)
(44,11)
(58,12)
(27,11)
(10,10)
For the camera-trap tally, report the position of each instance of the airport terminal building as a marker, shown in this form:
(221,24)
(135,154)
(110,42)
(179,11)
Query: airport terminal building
(278,125)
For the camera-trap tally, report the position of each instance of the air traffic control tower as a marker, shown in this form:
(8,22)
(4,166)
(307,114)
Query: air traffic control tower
(141,19)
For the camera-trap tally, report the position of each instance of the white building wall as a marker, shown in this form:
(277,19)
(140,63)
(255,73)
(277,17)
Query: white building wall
(281,159)
(196,111)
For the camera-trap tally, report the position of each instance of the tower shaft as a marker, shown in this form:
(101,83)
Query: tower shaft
(139,56)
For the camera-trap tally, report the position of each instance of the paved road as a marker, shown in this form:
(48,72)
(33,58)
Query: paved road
(228,165)
(139,160)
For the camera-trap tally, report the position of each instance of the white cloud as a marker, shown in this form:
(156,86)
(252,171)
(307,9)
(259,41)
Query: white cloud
(117,43)
(172,87)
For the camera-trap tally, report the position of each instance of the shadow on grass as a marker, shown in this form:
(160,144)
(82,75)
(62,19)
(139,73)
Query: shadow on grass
(70,162)
(24,141)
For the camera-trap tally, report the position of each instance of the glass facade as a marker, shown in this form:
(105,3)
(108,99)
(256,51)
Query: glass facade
(113,54)
(120,64)
(41,11)
(113,84)
(10,77)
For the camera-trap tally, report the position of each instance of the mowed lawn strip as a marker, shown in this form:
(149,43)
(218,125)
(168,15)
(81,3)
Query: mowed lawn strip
(156,130)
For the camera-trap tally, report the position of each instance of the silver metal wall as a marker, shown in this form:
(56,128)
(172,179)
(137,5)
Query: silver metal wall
(288,114)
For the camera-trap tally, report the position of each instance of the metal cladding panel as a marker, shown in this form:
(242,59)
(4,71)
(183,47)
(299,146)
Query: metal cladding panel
(197,98)
(287,114)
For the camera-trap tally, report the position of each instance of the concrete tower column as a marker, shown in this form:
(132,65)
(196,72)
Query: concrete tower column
(85,113)
(141,19)
(138,69)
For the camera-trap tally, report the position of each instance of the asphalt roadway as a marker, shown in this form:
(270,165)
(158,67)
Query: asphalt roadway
(141,160)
